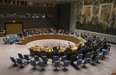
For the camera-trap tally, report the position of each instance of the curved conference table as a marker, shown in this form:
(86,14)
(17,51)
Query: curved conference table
(76,40)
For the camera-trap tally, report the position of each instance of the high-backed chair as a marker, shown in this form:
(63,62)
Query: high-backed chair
(101,56)
(36,58)
(91,54)
(86,60)
(21,62)
(32,52)
(13,60)
(65,64)
(56,64)
(5,40)
(45,59)
(80,56)
(104,52)
(63,58)
(55,58)
(78,62)
(34,63)
(27,57)
(20,56)
(88,55)
(42,53)
(9,39)
(42,64)
(95,60)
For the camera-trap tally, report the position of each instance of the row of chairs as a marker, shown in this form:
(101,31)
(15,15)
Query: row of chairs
(81,61)
(58,62)
(18,61)
(89,55)
(9,39)
(41,61)
(21,60)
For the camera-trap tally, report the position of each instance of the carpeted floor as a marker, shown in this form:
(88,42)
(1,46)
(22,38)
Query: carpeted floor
(105,67)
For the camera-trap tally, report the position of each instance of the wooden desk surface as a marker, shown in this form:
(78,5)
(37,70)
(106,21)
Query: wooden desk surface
(76,40)
(2,34)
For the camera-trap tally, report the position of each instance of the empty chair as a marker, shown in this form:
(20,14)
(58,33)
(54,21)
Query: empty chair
(16,38)
(36,58)
(88,55)
(34,63)
(101,55)
(55,58)
(95,60)
(86,60)
(42,64)
(13,60)
(80,56)
(78,62)
(20,56)
(65,63)
(104,52)
(20,61)
(108,48)
(63,58)
(9,39)
(5,40)
(91,54)
(56,64)
(27,57)
(45,59)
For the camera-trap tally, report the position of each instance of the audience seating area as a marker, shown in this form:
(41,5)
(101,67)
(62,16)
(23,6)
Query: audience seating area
(36,61)
(10,39)
(60,62)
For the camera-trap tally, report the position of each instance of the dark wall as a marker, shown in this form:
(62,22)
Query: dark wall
(61,17)
(29,22)
(26,9)
(64,15)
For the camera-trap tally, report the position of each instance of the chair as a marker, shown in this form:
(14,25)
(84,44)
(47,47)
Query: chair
(86,60)
(63,58)
(101,56)
(56,64)
(55,58)
(9,39)
(20,56)
(36,58)
(80,56)
(42,64)
(104,52)
(78,62)
(5,40)
(95,60)
(88,55)
(45,59)
(91,54)
(20,61)
(27,57)
(32,52)
(13,60)
(34,63)
(42,53)
(65,64)
(109,48)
